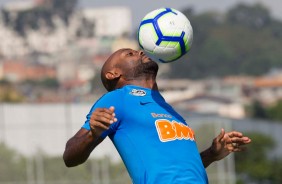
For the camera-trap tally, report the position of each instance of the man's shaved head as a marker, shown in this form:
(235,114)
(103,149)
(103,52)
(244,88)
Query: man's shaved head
(126,66)
(109,65)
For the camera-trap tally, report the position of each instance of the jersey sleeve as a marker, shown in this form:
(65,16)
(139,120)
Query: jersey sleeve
(106,101)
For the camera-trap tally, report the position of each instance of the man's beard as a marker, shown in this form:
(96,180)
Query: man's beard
(143,70)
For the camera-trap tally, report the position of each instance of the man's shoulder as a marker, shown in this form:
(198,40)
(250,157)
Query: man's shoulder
(113,98)
(127,92)
(113,94)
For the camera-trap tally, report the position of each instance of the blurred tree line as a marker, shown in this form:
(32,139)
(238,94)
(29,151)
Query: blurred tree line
(255,166)
(16,168)
(252,166)
(11,93)
(260,111)
(246,40)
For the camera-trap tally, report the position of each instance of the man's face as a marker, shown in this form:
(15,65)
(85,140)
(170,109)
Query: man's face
(127,65)
(135,64)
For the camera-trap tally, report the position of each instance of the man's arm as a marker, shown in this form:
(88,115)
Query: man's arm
(79,147)
(223,145)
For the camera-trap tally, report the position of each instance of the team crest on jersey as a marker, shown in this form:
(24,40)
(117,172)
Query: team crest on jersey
(138,92)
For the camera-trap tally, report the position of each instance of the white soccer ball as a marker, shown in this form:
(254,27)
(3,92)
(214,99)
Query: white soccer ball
(165,34)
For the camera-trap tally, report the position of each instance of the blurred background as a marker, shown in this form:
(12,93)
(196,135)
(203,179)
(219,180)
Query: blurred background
(51,53)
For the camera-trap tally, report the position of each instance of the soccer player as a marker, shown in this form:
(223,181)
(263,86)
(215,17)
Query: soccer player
(154,141)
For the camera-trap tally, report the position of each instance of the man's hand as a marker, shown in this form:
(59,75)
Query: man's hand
(101,120)
(223,145)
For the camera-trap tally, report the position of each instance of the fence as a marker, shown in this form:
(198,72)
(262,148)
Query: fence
(39,133)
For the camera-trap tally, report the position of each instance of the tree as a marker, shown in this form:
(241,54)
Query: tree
(245,41)
(12,165)
(254,165)
(274,112)
(255,17)
(49,83)
(14,168)
(256,110)
(275,175)
(190,65)
(10,94)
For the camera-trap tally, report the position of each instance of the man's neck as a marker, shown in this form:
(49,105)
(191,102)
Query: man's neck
(150,84)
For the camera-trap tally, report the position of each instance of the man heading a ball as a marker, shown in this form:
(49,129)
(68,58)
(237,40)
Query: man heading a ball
(154,141)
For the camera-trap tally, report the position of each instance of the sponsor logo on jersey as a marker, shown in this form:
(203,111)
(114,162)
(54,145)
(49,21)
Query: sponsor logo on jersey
(138,92)
(172,130)
(156,115)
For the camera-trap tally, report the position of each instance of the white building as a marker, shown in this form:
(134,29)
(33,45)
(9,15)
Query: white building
(110,21)
(11,44)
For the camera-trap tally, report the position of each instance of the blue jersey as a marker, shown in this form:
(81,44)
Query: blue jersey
(155,143)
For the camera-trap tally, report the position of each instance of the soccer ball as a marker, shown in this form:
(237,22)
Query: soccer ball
(165,34)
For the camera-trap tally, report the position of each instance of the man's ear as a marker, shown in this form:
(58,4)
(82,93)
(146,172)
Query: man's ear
(112,75)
